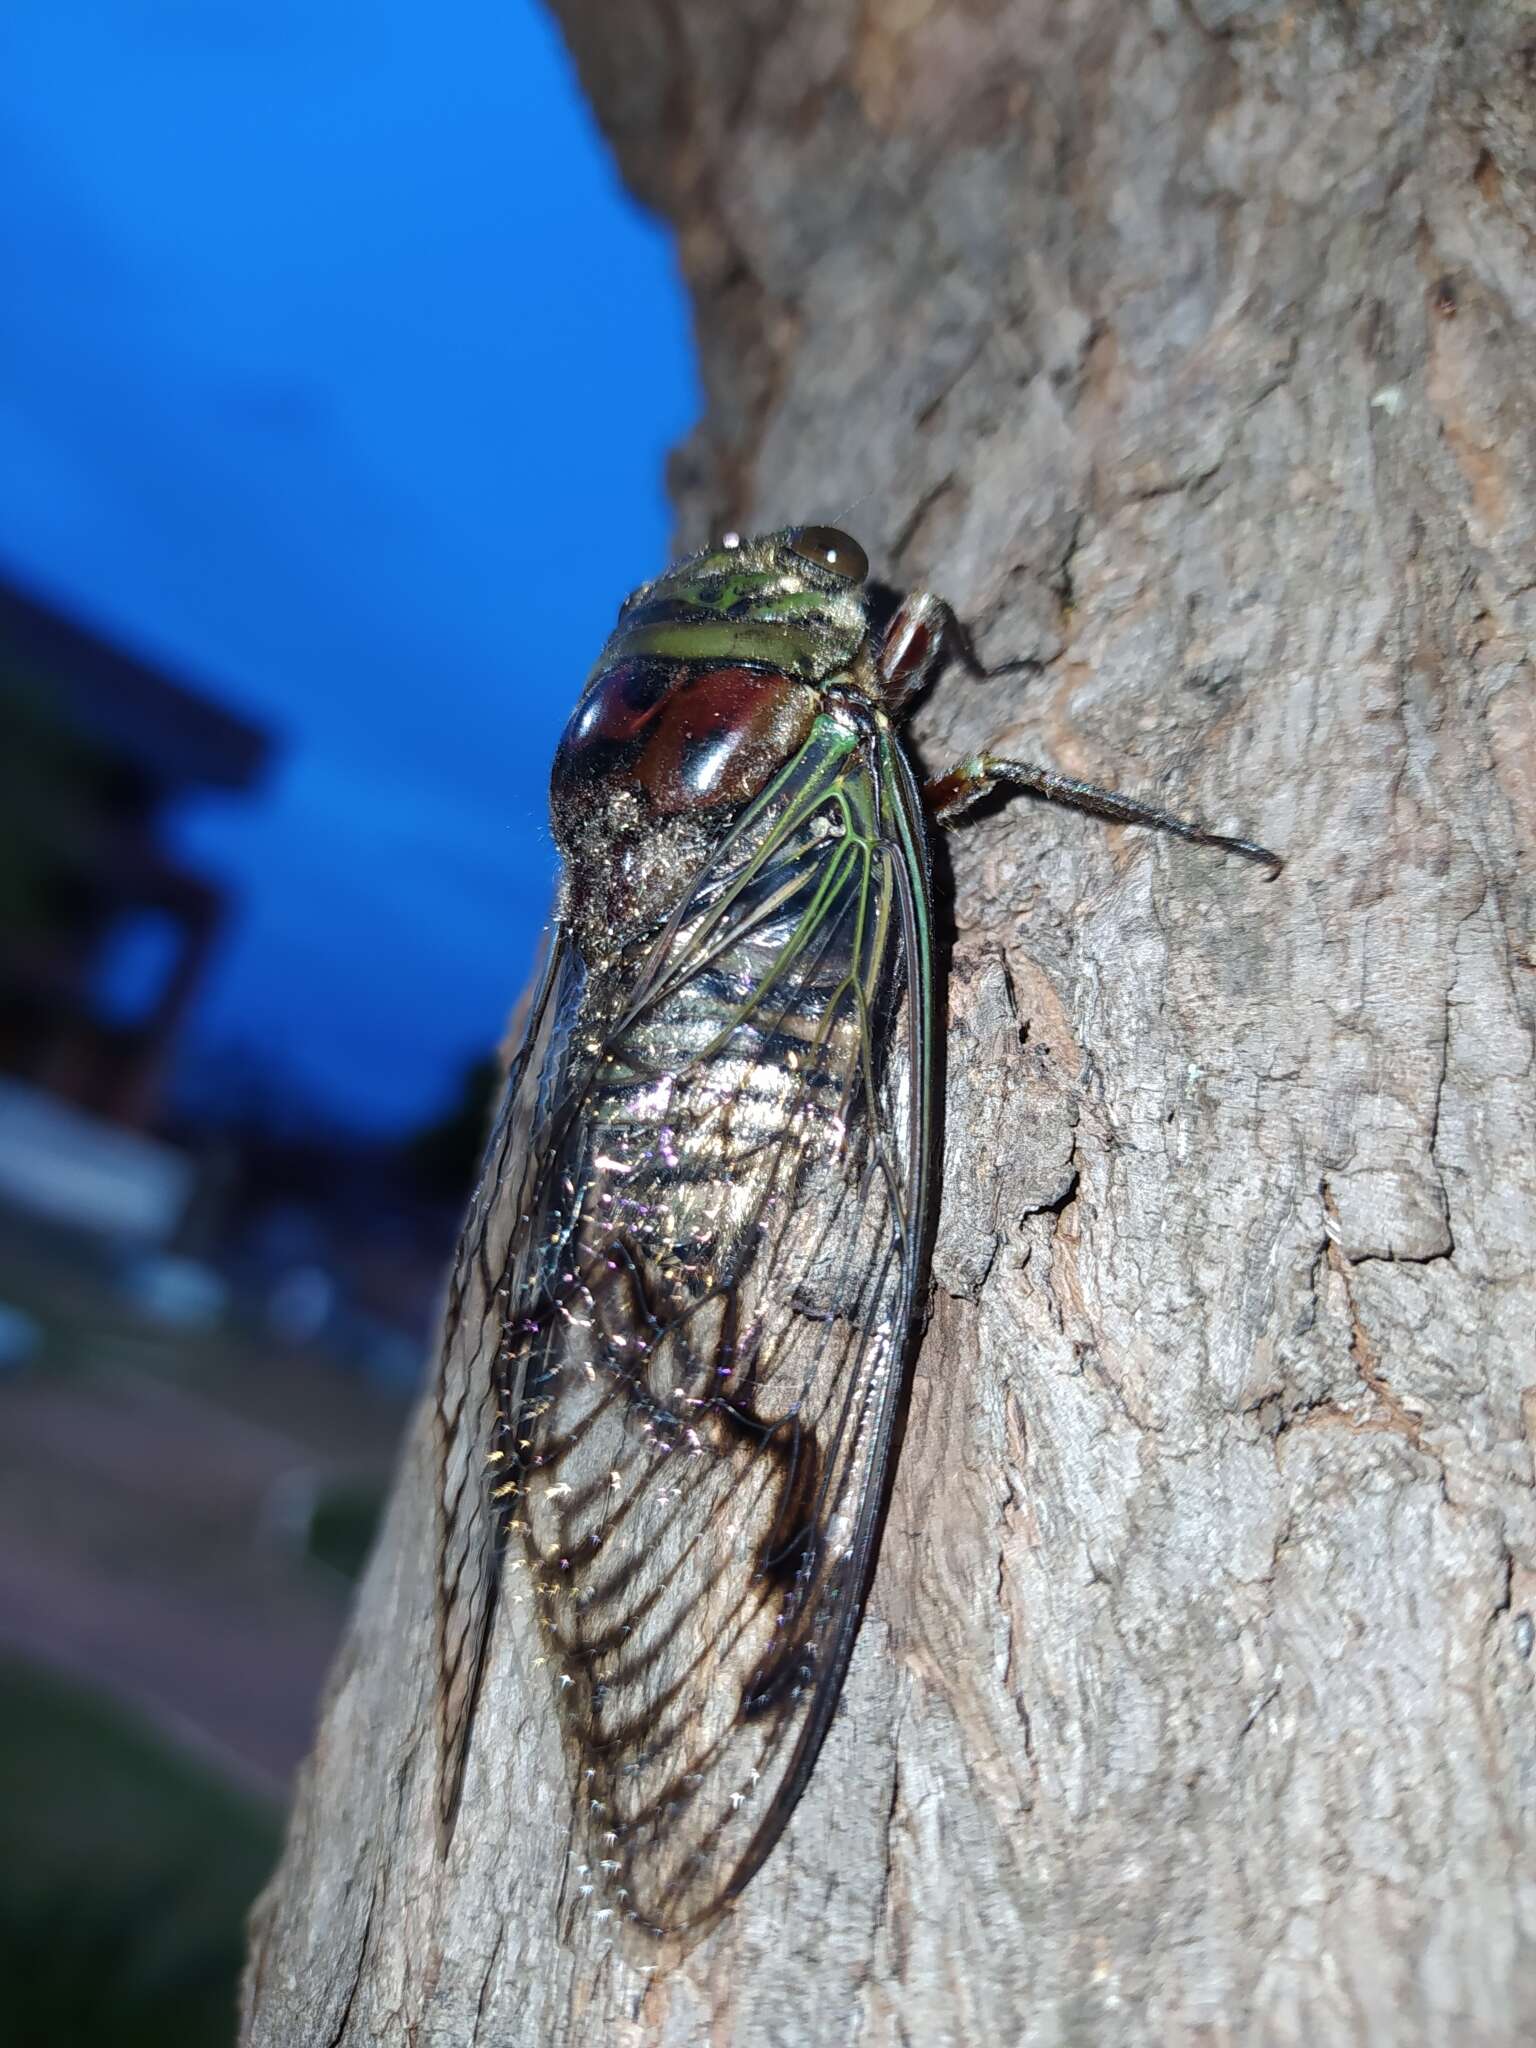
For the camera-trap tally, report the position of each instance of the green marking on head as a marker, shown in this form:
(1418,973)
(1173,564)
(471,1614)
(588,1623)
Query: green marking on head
(792,600)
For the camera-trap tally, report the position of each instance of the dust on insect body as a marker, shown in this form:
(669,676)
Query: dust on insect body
(682,1319)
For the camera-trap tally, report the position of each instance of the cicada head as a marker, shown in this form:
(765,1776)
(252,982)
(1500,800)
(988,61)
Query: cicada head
(795,600)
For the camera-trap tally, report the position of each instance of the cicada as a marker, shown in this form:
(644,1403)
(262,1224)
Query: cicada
(688,1293)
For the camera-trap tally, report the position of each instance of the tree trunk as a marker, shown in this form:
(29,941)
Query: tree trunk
(1188,349)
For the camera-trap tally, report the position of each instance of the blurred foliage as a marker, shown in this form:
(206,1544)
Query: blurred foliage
(131,1870)
(343,1526)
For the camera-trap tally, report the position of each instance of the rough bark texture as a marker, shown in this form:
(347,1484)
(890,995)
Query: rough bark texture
(1188,347)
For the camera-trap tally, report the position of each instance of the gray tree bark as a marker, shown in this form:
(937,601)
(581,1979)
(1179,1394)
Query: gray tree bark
(1188,347)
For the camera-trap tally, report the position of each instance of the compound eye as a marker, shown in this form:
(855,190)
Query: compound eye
(829,549)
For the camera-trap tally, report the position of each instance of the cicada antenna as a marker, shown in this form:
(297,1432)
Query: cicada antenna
(841,518)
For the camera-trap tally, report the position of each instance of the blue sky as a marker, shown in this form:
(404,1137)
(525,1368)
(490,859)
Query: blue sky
(337,374)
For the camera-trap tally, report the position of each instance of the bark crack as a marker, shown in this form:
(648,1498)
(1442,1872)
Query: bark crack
(482,2003)
(362,1955)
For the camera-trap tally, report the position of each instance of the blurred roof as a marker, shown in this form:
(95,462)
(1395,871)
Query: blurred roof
(167,728)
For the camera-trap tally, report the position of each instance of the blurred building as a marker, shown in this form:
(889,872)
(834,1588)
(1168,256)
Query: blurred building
(104,934)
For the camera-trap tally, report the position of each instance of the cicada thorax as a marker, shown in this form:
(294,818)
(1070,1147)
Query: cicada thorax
(684,736)
(658,755)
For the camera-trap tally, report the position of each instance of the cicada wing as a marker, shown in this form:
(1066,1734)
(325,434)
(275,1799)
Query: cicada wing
(707,1345)
(469,1389)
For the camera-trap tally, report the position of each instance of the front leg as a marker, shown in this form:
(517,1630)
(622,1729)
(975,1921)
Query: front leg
(923,628)
(920,629)
(948,795)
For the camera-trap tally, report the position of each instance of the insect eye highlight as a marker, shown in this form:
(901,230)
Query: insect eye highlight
(830,549)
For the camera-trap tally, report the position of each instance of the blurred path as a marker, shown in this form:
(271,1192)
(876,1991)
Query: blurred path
(139,1549)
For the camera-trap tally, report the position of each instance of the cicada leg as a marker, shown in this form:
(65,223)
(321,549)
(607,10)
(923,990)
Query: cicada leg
(947,795)
(919,630)
(921,627)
